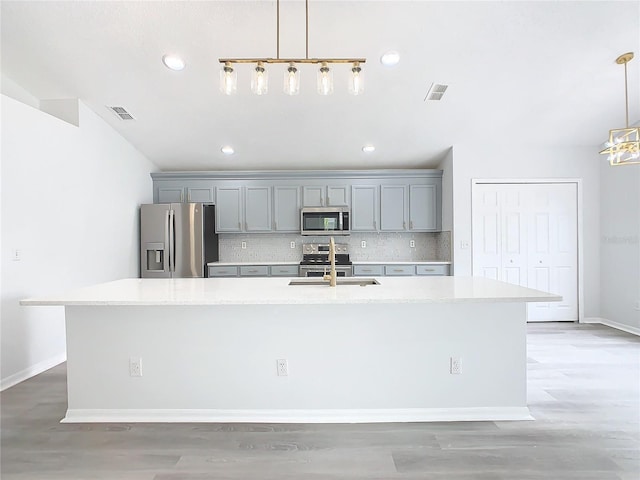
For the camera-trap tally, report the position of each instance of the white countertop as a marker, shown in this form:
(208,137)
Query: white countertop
(277,291)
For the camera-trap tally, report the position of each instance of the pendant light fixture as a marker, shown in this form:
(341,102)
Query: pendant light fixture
(623,147)
(259,76)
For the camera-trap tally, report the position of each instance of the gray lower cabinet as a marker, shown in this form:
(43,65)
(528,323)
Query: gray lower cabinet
(283,270)
(287,270)
(432,269)
(368,270)
(364,208)
(286,209)
(254,271)
(220,271)
(397,270)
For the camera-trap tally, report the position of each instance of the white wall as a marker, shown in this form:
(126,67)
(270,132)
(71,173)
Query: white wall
(620,250)
(520,162)
(70,200)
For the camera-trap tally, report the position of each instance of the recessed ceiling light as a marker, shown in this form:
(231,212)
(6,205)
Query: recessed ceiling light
(173,62)
(390,58)
(368,148)
(227,150)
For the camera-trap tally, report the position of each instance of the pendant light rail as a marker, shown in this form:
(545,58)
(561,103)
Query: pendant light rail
(292,60)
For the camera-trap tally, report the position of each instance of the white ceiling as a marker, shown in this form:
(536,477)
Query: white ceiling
(521,73)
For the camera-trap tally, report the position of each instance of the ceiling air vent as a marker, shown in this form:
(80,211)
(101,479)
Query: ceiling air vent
(122,113)
(435,92)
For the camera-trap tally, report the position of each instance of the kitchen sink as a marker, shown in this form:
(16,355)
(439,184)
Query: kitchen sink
(361,282)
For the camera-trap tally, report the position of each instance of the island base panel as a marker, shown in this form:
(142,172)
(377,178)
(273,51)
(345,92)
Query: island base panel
(347,363)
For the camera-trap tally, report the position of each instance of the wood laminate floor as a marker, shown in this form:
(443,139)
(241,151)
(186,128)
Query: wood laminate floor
(583,390)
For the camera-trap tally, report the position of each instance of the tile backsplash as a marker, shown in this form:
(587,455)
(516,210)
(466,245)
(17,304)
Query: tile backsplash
(382,247)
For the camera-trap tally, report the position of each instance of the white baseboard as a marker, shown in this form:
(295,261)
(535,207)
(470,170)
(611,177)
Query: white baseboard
(612,324)
(32,371)
(296,416)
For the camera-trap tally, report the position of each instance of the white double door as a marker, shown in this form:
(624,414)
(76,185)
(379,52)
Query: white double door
(527,234)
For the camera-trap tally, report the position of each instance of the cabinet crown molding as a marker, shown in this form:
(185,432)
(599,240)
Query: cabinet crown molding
(295,174)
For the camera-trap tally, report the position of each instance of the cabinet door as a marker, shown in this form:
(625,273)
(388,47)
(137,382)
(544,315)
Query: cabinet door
(393,208)
(286,209)
(200,195)
(337,196)
(257,217)
(313,196)
(364,208)
(170,195)
(423,208)
(228,209)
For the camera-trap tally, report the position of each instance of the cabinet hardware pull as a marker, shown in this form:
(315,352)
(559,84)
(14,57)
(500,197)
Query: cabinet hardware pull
(397,269)
(239,226)
(411,224)
(404,225)
(374,225)
(429,270)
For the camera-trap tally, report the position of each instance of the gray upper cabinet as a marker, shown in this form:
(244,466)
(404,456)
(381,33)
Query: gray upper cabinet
(286,209)
(423,208)
(313,196)
(393,208)
(170,195)
(364,208)
(200,194)
(338,196)
(325,196)
(228,209)
(257,217)
(265,202)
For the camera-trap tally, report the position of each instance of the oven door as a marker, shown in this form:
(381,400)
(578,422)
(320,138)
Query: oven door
(320,271)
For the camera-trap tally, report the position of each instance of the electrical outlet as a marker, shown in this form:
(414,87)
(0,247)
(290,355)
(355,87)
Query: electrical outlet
(16,255)
(412,244)
(455,364)
(283,367)
(363,244)
(243,245)
(135,366)
(293,244)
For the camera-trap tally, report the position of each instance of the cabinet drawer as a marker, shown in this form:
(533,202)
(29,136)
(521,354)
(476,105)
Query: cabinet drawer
(223,271)
(367,270)
(391,270)
(284,271)
(432,269)
(254,271)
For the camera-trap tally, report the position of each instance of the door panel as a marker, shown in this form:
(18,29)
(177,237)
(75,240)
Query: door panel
(536,241)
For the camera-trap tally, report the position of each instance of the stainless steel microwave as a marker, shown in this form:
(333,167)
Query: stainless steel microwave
(325,221)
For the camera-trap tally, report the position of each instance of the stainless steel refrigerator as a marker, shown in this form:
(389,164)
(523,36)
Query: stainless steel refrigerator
(177,240)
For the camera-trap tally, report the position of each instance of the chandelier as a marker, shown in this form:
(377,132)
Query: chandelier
(260,79)
(623,146)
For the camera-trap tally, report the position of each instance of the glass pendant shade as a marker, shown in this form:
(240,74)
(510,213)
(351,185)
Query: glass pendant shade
(292,80)
(325,80)
(259,80)
(228,80)
(623,146)
(356,87)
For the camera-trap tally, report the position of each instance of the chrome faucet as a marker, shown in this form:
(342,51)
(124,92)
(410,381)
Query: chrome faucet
(333,276)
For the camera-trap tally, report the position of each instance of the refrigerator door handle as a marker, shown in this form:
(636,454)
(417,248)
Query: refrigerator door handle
(172,260)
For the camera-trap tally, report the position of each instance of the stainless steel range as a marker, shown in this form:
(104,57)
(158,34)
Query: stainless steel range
(315,260)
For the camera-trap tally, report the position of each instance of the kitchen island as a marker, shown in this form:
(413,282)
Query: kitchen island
(261,350)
